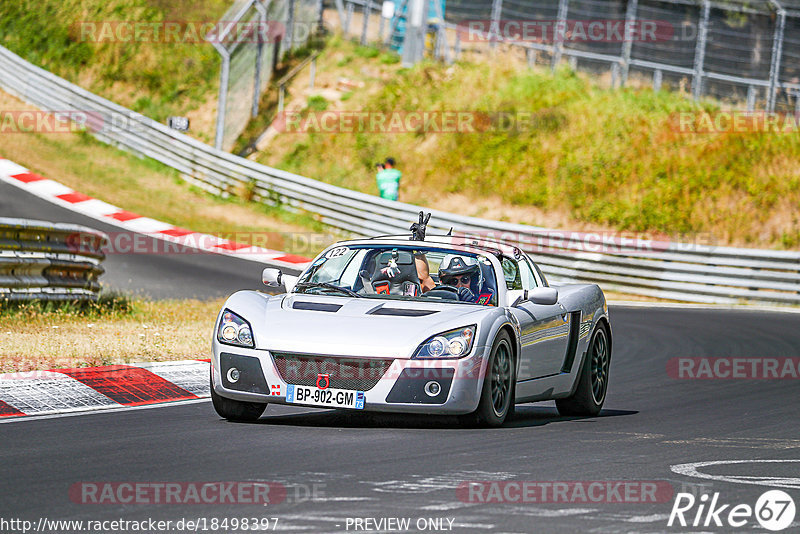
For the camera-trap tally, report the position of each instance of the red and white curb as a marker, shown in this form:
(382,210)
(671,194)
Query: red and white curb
(62,195)
(83,389)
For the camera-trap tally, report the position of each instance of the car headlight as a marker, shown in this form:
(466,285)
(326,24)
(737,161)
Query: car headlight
(233,330)
(451,344)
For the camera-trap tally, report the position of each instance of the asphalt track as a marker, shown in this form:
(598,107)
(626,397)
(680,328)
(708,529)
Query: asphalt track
(382,466)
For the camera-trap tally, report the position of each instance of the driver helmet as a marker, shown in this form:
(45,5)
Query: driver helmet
(454,266)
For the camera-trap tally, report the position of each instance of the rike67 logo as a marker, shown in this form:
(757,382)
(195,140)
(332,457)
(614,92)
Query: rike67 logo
(774,510)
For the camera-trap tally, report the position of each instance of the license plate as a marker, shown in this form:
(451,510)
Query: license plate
(328,397)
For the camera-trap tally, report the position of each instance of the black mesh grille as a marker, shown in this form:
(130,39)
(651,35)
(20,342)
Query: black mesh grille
(344,373)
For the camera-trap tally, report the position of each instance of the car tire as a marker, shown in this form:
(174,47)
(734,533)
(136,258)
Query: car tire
(590,393)
(496,402)
(234,410)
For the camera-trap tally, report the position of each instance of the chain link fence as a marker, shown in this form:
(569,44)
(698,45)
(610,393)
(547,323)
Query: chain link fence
(252,37)
(745,54)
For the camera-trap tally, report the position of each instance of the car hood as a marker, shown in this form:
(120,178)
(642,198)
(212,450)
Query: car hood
(359,327)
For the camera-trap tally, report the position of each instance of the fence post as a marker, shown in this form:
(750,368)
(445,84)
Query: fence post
(261,34)
(313,72)
(365,22)
(281,96)
(530,55)
(340,11)
(414,42)
(775,60)
(395,21)
(290,26)
(751,98)
(348,17)
(700,50)
(222,100)
(627,45)
(441,34)
(657,79)
(494,27)
(559,31)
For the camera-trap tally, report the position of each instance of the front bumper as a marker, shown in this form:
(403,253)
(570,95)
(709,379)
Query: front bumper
(399,385)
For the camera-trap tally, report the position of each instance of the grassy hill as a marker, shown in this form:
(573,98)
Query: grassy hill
(154,78)
(590,158)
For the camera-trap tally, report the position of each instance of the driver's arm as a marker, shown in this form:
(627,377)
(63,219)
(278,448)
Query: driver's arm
(424,273)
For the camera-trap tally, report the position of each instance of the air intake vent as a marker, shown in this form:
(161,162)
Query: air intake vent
(402,312)
(360,374)
(316,306)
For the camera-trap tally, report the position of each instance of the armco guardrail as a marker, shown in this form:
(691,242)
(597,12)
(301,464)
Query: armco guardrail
(45,261)
(670,270)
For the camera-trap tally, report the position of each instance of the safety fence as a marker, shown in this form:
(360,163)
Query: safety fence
(674,270)
(254,36)
(45,261)
(744,53)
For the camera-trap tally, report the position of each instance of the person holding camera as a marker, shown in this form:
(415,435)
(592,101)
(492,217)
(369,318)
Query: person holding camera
(388,179)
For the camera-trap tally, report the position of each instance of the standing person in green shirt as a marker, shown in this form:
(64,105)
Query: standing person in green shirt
(388,180)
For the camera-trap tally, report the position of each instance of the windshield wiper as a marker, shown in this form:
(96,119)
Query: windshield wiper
(327,285)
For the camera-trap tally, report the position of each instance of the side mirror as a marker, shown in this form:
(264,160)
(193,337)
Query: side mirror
(271,277)
(275,278)
(543,295)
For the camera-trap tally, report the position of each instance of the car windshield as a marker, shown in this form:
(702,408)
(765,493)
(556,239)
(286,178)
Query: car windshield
(402,273)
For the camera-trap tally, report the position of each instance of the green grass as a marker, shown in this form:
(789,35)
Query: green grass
(593,155)
(109,303)
(154,78)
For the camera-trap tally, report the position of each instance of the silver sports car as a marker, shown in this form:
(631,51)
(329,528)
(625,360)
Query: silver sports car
(434,325)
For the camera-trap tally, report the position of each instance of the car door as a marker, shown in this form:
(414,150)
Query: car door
(544,328)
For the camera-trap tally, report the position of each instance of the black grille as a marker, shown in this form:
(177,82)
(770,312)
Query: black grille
(344,373)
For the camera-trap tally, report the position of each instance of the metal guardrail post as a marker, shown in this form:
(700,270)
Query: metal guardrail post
(558,33)
(700,50)
(775,59)
(657,79)
(312,72)
(627,45)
